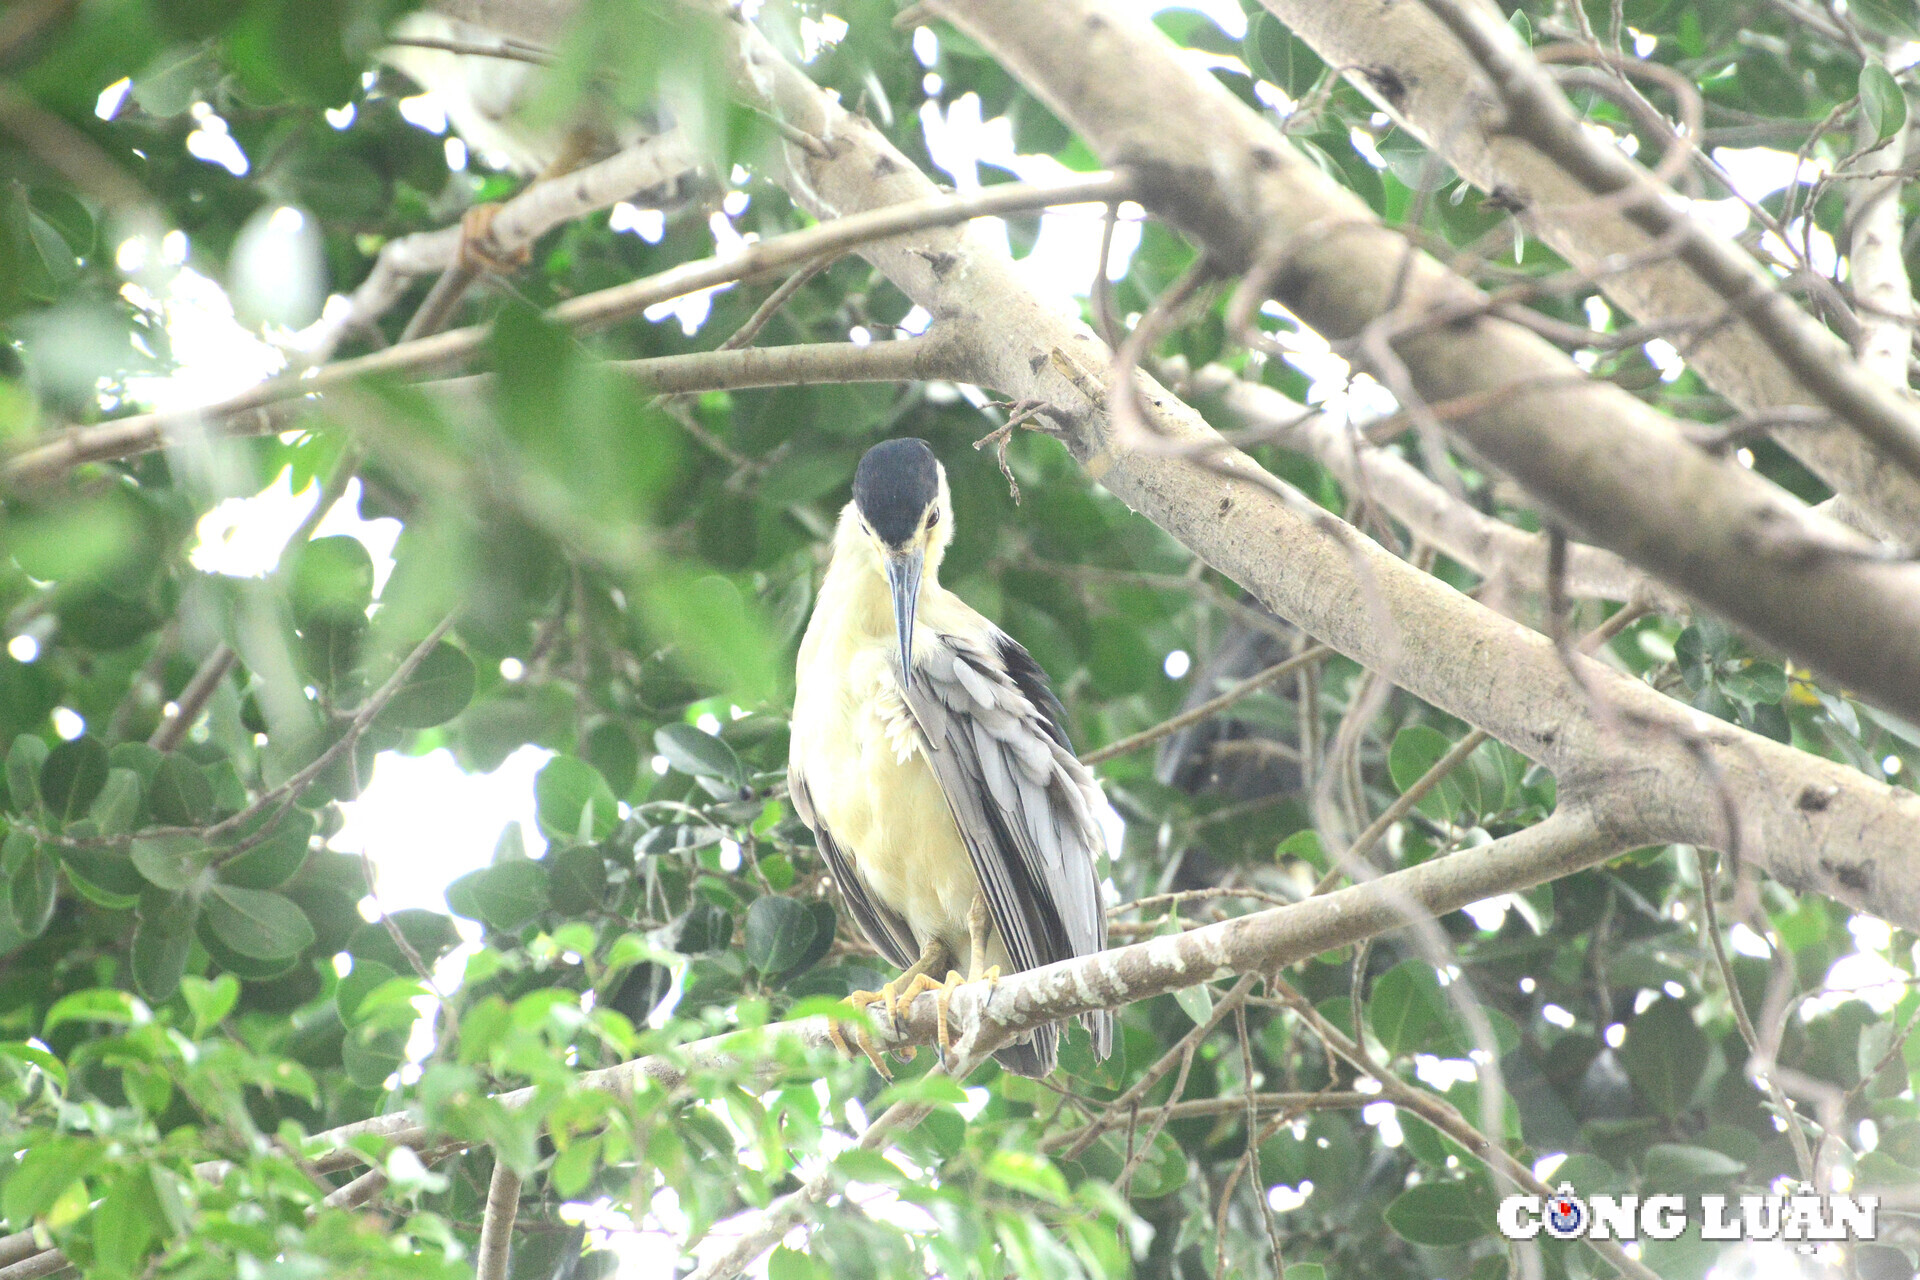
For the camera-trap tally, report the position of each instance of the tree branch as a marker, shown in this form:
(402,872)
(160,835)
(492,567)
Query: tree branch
(903,360)
(1611,468)
(1882,293)
(1538,112)
(440,351)
(1490,547)
(517,223)
(496,1228)
(1212,706)
(1407,61)
(193,699)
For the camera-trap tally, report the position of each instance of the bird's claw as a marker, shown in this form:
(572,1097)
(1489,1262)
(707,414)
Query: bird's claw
(863,1000)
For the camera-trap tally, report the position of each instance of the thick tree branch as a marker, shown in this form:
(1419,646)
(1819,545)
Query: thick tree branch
(1538,112)
(441,351)
(1406,60)
(1263,942)
(1610,467)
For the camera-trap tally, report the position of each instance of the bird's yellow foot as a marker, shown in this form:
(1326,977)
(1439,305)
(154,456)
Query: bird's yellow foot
(862,1000)
(943,999)
(922,984)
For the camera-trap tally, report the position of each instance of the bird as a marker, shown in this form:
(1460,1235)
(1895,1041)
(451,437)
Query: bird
(931,761)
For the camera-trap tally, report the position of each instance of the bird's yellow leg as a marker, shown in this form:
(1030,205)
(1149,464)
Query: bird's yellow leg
(978,923)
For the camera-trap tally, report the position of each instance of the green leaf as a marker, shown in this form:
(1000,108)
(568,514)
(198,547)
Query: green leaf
(574,1168)
(32,890)
(1415,750)
(127,1222)
(1672,1167)
(1442,1213)
(50,1165)
(210,1001)
(24,761)
(1881,101)
(1277,55)
(329,580)
(180,795)
(861,1165)
(1408,1008)
(95,1004)
(438,690)
(789,1264)
(373,1052)
(256,923)
(162,940)
(724,635)
(105,876)
(117,808)
(577,879)
(1665,1055)
(504,896)
(21,1051)
(73,775)
(1195,1001)
(276,859)
(430,934)
(366,977)
(705,927)
(698,754)
(1026,1172)
(780,931)
(571,798)
(1162,1171)
(174,863)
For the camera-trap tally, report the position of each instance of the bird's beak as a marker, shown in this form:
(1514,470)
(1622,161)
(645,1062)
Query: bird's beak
(903,579)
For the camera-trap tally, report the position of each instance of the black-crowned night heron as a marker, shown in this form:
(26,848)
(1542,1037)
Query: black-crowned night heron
(931,761)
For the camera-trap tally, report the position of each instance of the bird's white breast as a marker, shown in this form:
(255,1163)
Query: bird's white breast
(865,761)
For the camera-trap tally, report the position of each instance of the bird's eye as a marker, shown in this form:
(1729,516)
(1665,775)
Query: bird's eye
(933,517)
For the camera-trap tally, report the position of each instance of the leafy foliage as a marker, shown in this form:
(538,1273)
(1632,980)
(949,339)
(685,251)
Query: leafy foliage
(195,971)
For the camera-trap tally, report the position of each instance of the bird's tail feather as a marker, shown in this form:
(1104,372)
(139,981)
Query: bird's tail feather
(1099,1025)
(1034,1056)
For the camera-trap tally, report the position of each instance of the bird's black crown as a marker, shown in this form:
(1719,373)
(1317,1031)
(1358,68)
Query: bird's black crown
(896,482)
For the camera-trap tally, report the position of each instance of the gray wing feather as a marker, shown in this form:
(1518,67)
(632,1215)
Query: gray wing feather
(1021,800)
(885,928)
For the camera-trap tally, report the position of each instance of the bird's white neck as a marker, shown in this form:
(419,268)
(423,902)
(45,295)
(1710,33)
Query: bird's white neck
(856,585)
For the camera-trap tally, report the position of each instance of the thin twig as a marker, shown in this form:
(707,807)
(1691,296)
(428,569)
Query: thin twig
(193,699)
(1212,706)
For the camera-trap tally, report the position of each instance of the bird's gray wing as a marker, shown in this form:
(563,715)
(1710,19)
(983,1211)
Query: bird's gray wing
(1023,802)
(884,928)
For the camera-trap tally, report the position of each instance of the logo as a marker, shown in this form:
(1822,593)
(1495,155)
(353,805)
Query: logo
(1803,1216)
(1566,1216)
